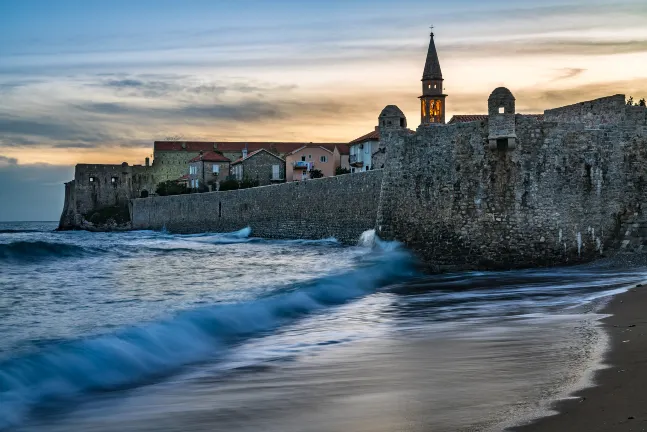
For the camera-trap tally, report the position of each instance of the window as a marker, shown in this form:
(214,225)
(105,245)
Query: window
(501,110)
(276,172)
(92,179)
(323,159)
(309,157)
(303,158)
(216,168)
(502,144)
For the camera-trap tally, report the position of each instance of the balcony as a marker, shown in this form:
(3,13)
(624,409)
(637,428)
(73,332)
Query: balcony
(355,161)
(302,165)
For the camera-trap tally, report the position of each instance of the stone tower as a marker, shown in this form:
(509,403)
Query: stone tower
(432,101)
(392,117)
(501,113)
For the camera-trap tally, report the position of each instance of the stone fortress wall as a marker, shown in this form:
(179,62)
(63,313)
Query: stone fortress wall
(569,189)
(313,209)
(99,186)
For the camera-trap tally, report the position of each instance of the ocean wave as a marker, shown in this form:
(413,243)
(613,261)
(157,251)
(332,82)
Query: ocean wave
(28,251)
(138,354)
(19,231)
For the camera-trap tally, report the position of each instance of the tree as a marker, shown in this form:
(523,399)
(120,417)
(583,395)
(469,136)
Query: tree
(630,102)
(315,173)
(229,184)
(248,183)
(642,102)
(170,187)
(341,171)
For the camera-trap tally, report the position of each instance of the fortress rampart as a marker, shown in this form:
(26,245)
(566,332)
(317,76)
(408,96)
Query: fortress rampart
(563,193)
(506,191)
(342,207)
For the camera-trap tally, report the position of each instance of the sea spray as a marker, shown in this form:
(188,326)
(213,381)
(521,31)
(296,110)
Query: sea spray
(370,239)
(138,354)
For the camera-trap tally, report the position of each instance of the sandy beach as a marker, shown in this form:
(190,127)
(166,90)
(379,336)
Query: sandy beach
(619,400)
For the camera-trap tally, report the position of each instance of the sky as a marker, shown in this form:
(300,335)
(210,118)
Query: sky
(97,81)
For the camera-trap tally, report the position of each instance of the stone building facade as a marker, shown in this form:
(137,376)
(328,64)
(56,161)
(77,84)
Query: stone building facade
(99,186)
(207,170)
(262,166)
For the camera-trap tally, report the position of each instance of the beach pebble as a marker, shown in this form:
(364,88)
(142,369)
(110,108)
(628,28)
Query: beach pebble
(630,418)
(632,325)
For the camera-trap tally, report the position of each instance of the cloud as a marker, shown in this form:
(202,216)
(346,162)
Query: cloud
(568,73)
(6,161)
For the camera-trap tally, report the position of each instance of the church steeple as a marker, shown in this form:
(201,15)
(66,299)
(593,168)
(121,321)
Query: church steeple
(432,101)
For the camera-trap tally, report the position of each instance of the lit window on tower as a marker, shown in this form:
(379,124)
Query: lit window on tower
(435,110)
(424,108)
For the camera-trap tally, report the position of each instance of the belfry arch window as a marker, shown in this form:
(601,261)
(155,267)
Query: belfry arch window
(435,110)
(424,108)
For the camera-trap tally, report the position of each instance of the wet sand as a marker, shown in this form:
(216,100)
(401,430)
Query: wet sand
(619,401)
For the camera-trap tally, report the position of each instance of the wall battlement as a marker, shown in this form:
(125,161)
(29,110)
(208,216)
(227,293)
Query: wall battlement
(555,198)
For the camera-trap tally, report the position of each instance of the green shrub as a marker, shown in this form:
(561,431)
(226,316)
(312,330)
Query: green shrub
(229,184)
(170,187)
(341,171)
(315,173)
(248,183)
(101,216)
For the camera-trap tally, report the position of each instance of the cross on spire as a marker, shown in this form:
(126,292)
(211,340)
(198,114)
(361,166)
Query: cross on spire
(432,29)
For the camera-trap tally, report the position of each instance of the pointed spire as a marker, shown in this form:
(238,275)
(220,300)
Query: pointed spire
(432,65)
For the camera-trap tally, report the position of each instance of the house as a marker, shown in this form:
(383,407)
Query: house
(261,165)
(171,157)
(207,170)
(362,149)
(300,163)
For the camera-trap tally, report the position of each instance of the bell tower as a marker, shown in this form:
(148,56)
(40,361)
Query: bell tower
(432,101)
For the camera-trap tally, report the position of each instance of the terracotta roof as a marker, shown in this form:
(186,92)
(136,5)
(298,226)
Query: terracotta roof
(210,157)
(239,160)
(311,146)
(371,136)
(184,177)
(467,118)
(205,146)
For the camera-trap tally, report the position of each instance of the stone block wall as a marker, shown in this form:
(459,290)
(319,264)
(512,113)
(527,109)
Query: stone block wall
(558,198)
(259,167)
(112,185)
(171,165)
(599,112)
(342,207)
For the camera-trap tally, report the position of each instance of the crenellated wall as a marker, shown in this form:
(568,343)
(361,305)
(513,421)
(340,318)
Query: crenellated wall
(557,198)
(342,207)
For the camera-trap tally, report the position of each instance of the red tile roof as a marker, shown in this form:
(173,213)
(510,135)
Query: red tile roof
(276,147)
(210,157)
(480,117)
(371,136)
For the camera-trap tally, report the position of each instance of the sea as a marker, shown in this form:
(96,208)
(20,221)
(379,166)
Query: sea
(153,331)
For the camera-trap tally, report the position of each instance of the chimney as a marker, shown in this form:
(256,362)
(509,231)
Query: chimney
(245,152)
(148,161)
